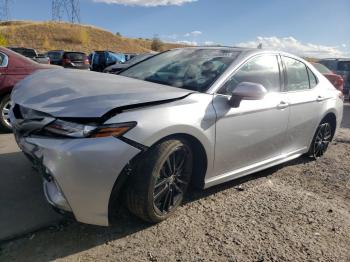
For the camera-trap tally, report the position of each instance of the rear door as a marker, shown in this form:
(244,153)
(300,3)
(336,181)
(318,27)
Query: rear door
(306,103)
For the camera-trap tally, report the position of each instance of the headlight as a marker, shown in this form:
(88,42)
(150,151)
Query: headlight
(69,129)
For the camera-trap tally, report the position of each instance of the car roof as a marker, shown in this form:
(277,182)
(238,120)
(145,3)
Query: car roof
(336,59)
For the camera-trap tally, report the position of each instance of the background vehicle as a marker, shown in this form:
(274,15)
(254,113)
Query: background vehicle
(99,60)
(13,68)
(56,57)
(194,115)
(32,54)
(335,79)
(76,60)
(129,56)
(116,68)
(340,67)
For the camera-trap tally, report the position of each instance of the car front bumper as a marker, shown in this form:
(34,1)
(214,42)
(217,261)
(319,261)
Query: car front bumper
(79,174)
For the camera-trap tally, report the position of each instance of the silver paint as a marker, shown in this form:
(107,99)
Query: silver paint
(237,141)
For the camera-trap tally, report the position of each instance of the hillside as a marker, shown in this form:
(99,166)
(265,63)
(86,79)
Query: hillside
(45,36)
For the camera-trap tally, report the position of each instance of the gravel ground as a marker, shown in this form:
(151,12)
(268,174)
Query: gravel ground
(299,211)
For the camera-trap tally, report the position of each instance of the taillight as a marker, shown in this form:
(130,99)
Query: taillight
(66,61)
(86,61)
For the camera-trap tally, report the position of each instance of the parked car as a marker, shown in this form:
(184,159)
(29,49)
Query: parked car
(13,68)
(32,54)
(76,60)
(129,56)
(56,57)
(340,67)
(99,60)
(335,79)
(116,68)
(195,115)
(42,59)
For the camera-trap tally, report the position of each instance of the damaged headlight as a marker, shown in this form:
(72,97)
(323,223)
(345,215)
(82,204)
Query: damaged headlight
(74,130)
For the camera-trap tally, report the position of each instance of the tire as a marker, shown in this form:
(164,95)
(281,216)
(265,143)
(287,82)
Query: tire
(4,113)
(156,188)
(322,139)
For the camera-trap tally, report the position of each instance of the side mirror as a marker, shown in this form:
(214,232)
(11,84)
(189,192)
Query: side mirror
(247,91)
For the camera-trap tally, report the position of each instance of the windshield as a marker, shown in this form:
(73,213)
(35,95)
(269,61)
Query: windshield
(322,69)
(55,55)
(138,58)
(25,52)
(344,66)
(75,56)
(193,69)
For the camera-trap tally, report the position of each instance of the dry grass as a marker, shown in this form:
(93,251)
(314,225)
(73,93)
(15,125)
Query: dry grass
(45,36)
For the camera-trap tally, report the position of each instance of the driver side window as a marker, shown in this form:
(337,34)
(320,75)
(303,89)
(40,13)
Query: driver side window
(262,70)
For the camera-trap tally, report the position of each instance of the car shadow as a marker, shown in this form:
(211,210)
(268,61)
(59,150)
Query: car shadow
(23,207)
(239,182)
(346,116)
(70,237)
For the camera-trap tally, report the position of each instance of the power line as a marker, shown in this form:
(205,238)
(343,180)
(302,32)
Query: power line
(70,7)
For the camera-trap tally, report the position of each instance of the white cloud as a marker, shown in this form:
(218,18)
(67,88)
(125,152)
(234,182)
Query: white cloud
(172,36)
(343,45)
(210,43)
(185,42)
(193,34)
(148,3)
(292,45)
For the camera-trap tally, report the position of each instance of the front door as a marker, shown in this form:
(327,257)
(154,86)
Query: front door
(256,130)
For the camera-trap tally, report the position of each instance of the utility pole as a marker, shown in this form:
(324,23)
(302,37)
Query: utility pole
(5,10)
(57,6)
(72,8)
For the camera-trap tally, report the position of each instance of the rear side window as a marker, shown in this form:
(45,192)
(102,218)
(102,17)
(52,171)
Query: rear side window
(297,76)
(312,77)
(344,66)
(262,70)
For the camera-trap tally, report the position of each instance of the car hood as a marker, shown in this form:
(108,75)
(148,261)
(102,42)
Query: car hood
(72,93)
(117,66)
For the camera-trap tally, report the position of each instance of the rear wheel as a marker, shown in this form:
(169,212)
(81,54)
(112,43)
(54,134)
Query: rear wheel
(161,180)
(5,106)
(322,139)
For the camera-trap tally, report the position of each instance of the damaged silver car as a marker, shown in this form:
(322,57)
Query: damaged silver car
(192,116)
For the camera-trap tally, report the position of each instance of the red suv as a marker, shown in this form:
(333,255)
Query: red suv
(13,68)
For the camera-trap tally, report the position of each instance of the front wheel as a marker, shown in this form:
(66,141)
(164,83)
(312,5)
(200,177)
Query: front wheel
(160,180)
(5,106)
(321,140)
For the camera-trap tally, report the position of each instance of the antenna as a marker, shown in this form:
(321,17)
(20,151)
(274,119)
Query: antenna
(5,10)
(72,8)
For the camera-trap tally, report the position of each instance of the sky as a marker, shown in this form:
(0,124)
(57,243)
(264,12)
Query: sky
(314,28)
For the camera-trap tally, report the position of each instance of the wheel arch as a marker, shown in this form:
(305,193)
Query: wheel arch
(331,116)
(200,168)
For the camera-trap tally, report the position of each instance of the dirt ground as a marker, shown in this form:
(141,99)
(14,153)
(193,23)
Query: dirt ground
(299,211)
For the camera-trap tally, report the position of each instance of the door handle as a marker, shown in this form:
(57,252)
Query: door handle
(320,98)
(282,105)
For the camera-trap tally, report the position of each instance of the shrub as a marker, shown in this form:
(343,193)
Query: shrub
(3,40)
(157,44)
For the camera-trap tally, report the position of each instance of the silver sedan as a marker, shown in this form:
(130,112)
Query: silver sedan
(193,116)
